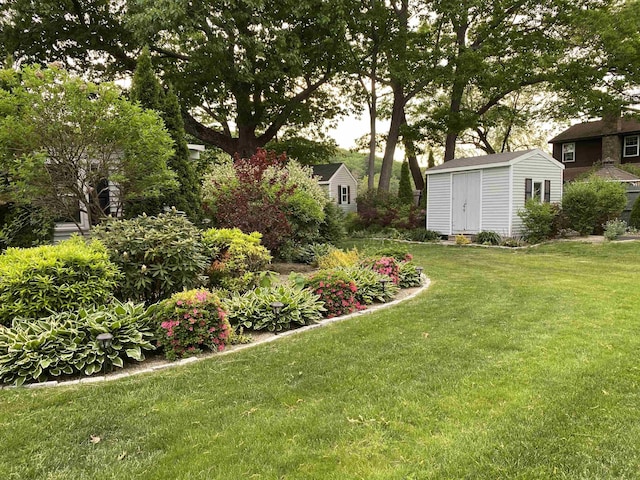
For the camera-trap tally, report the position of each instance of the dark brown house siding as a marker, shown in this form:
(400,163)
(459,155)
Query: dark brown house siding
(588,152)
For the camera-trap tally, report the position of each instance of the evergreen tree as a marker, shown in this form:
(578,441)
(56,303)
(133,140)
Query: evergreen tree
(145,87)
(405,191)
(634,217)
(187,198)
(432,161)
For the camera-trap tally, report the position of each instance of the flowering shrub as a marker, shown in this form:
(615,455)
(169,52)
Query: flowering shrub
(191,321)
(388,266)
(336,290)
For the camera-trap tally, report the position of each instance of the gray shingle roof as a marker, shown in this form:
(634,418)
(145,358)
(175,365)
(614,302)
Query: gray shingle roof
(597,129)
(480,161)
(326,171)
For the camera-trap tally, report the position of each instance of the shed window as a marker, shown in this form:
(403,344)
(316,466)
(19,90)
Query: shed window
(568,152)
(537,191)
(547,191)
(631,146)
(344,194)
(528,189)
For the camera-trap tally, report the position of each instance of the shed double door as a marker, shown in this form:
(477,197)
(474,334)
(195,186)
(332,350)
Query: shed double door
(465,202)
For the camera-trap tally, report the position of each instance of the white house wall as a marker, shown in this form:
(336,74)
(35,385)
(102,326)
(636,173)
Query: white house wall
(439,203)
(342,177)
(495,200)
(538,169)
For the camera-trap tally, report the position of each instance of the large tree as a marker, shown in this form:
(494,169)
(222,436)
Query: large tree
(63,139)
(243,69)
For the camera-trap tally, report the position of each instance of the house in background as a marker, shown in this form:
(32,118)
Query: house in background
(615,139)
(339,183)
(470,195)
(108,194)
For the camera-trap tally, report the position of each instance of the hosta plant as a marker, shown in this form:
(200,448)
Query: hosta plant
(336,290)
(65,343)
(371,286)
(408,275)
(190,322)
(253,309)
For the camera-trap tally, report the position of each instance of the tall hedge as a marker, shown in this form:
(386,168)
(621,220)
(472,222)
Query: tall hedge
(63,277)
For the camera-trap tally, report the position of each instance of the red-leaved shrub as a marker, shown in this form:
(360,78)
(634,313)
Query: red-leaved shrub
(336,290)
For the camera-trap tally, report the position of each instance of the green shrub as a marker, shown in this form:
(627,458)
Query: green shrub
(24,226)
(462,240)
(397,251)
(408,275)
(309,254)
(336,290)
(538,220)
(332,228)
(590,204)
(423,235)
(65,343)
(634,216)
(34,282)
(158,255)
(236,258)
(614,228)
(488,238)
(338,258)
(369,285)
(512,242)
(191,321)
(253,309)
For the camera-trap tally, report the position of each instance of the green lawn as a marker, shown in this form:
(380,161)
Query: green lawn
(514,364)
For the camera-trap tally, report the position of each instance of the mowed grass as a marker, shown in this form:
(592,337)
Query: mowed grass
(513,364)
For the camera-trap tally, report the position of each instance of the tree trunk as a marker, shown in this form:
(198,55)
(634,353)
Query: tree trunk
(397,114)
(414,167)
(373,113)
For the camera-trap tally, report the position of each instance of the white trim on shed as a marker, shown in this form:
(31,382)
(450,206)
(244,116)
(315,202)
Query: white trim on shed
(501,183)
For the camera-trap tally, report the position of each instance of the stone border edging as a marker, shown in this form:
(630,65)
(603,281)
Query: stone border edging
(108,378)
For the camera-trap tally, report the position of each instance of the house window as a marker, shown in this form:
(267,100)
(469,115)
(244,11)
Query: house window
(568,152)
(344,194)
(537,191)
(631,146)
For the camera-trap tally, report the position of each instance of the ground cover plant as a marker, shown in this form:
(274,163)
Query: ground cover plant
(513,364)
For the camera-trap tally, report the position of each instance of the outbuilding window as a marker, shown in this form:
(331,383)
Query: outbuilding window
(344,194)
(534,190)
(568,152)
(631,146)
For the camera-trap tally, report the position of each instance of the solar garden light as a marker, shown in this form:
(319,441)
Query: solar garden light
(419,270)
(277,309)
(105,340)
(384,282)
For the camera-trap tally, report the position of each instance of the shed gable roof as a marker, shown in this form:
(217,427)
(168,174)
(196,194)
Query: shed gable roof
(326,171)
(599,128)
(489,161)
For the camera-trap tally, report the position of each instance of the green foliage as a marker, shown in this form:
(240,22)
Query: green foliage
(35,282)
(305,151)
(538,220)
(423,235)
(369,284)
(145,87)
(634,216)
(385,265)
(157,255)
(65,343)
(309,254)
(405,191)
(24,226)
(408,275)
(614,228)
(431,162)
(236,258)
(253,309)
(462,240)
(590,204)
(191,321)
(395,250)
(488,238)
(512,242)
(58,162)
(332,228)
(336,290)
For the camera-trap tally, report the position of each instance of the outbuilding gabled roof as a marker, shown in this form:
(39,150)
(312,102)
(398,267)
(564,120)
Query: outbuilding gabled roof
(597,129)
(326,171)
(488,161)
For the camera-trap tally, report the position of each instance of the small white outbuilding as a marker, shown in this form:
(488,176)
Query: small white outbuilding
(474,194)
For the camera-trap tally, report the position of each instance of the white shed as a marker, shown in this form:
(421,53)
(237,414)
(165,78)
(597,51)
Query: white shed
(474,194)
(339,183)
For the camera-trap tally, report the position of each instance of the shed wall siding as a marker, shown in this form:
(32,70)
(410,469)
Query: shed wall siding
(439,203)
(343,178)
(538,169)
(495,200)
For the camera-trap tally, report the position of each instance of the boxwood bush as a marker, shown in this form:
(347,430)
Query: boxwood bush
(52,278)
(35,350)
(253,309)
(158,255)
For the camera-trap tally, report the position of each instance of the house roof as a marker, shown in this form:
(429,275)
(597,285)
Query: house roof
(608,172)
(599,128)
(326,171)
(487,161)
